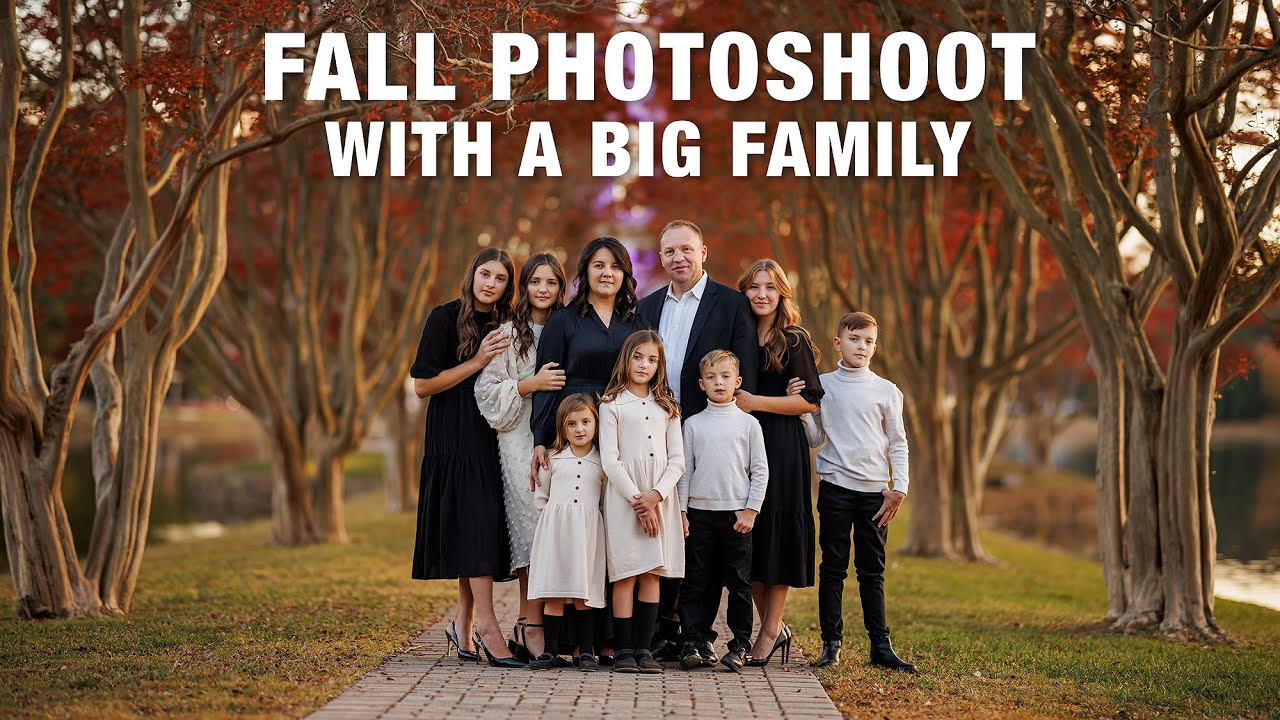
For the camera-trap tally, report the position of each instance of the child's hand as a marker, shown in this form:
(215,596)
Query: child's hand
(646,501)
(684,518)
(892,501)
(650,522)
(746,519)
(539,461)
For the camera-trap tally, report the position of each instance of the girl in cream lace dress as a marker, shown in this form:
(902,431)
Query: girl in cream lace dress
(504,393)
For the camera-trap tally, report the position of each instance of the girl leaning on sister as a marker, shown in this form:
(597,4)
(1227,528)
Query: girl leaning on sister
(568,556)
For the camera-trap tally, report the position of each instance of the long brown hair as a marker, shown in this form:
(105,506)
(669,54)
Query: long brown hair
(572,404)
(786,320)
(624,303)
(621,376)
(522,318)
(468,334)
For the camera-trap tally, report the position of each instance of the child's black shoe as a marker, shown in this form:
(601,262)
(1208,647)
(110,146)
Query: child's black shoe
(588,663)
(646,663)
(625,662)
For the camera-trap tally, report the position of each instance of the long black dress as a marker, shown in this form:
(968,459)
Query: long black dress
(462,524)
(586,350)
(783,536)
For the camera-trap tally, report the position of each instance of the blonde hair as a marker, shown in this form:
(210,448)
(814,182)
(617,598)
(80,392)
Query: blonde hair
(718,356)
(787,318)
(658,384)
(681,224)
(568,406)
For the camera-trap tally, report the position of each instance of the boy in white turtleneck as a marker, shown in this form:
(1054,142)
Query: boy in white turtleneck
(721,492)
(865,450)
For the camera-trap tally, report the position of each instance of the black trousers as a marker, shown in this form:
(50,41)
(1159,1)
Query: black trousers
(716,556)
(842,512)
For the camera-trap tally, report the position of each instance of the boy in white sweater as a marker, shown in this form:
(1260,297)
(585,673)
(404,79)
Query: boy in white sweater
(721,492)
(866,448)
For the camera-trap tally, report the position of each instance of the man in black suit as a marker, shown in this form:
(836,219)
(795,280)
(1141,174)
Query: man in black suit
(695,315)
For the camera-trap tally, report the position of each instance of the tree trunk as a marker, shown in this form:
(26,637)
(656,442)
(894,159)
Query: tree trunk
(292,519)
(331,523)
(929,528)
(968,472)
(403,454)
(42,556)
(117,562)
(1189,536)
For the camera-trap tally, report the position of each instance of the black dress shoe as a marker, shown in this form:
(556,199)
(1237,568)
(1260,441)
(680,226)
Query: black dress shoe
(646,663)
(666,651)
(882,655)
(587,663)
(830,654)
(709,657)
(734,659)
(689,657)
(625,662)
(547,661)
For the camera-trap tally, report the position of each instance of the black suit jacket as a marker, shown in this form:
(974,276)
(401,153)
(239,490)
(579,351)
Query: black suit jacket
(724,322)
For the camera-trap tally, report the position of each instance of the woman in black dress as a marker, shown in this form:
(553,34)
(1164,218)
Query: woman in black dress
(783,544)
(585,336)
(462,527)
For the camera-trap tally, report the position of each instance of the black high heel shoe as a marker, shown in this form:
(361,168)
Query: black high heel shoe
(451,639)
(783,641)
(507,662)
(520,648)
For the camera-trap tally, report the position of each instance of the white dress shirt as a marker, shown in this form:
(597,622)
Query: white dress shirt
(674,327)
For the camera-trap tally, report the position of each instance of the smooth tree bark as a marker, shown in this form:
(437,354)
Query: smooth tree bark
(37,417)
(1213,237)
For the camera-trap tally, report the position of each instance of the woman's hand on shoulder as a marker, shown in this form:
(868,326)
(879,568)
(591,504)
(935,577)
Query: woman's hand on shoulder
(746,401)
(493,344)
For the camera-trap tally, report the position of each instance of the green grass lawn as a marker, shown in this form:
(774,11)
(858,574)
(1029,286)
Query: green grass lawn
(1017,639)
(229,627)
(235,627)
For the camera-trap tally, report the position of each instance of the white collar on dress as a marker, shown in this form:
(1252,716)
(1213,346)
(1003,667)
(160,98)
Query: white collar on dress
(626,396)
(566,453)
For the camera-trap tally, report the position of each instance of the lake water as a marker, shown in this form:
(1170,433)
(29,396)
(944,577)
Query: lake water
(208,475)
(1245,490)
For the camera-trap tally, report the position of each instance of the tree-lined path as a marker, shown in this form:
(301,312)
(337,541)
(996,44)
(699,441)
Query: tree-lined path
(422,681)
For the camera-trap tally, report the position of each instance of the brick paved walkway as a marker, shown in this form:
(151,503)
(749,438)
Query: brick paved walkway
(420,682)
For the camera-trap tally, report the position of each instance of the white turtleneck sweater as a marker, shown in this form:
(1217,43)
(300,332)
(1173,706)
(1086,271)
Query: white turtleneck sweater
(866,443)
(724,462)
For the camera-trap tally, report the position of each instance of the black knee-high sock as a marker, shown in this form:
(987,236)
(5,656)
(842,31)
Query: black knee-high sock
(551,625)
(646,619)
(624,632)
(585,629)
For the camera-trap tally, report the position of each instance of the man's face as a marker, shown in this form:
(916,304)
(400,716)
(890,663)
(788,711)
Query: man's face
(682,254)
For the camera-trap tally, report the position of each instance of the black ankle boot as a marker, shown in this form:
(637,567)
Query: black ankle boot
(830,654)
(882,655)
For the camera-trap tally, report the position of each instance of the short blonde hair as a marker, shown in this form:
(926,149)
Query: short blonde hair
(718,356)
(857,321)
(684,224)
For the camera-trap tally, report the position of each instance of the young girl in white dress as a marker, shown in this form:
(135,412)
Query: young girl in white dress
(568,560)
(642,449)
(504,394)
